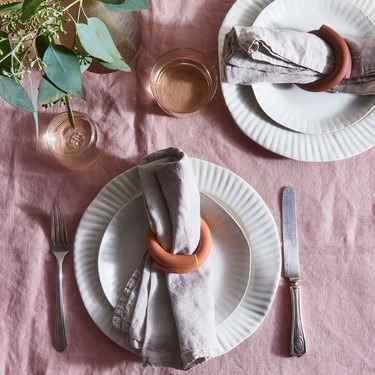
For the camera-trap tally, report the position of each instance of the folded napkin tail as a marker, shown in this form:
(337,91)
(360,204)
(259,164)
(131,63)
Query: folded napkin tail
(170,317)
(255,55)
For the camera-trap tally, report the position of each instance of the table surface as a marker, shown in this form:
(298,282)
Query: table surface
(336,210)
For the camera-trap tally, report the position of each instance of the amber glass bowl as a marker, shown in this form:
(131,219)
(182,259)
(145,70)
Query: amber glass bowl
(183,81)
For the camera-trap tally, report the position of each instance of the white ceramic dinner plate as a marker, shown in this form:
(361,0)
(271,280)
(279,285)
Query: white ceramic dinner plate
(123,247)
(311,112)
(238,199)
(258,126)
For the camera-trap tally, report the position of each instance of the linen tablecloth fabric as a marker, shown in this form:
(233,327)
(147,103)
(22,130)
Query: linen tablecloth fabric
(256,54)
(336,217)
(169,318)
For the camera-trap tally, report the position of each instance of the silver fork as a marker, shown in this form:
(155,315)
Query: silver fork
(59,247)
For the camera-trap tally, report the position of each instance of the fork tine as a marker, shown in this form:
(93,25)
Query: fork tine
(64,227)
(60,226)
(53,225)
(58,232)
(57,225)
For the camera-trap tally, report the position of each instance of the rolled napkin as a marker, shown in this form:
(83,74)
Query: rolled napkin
(169,318)
(255,54)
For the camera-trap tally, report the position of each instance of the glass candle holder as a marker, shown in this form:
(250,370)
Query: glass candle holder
(183,81)
(74,147)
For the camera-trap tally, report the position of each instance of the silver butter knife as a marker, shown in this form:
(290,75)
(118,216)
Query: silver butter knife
(291,269)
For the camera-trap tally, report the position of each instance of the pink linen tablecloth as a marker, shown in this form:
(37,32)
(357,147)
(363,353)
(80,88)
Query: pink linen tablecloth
(336,211)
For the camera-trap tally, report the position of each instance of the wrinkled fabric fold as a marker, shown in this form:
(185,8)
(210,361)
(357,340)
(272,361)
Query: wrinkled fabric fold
(254,55)
(169,319)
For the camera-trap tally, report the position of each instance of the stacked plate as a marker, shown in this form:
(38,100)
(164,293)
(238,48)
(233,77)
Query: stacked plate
(285,119)
(245,257)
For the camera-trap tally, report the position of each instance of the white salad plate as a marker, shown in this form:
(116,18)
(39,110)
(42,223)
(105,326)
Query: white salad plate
(123,246)
(311,112)
(254,297)
(258,126)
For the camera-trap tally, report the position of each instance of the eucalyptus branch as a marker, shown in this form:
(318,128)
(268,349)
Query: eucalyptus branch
(80,7)
(28,39)
(71,4)
(21,41)
(47,21)
(84,13)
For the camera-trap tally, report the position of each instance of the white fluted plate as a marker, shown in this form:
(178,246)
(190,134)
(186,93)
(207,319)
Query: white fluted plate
(123,246)
(314,112)
(257,125)
(238,198)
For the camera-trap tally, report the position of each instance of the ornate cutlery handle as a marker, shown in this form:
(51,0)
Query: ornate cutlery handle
(59,340)
(298,343)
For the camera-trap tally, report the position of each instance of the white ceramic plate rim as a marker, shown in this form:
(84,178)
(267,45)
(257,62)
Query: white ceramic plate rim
(250,118)
(239,199)
(106,248)
(318,107)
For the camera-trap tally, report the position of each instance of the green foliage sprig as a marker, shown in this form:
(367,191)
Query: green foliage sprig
(29,39)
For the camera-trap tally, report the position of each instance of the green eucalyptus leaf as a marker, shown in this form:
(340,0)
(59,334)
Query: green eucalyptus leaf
(117,64)
(35,112)
(15,94)
(63,69)
(96,39)
(127,5)
(48,92)
(29,8)
(41,44)
(10,7)
(5,49)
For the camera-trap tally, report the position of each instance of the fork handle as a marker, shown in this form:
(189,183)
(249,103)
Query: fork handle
(59,340)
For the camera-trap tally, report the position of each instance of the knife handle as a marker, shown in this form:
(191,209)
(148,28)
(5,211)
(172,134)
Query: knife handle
(298,343)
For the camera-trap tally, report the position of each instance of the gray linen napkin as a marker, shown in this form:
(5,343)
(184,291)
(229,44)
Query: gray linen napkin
(167,318)
(255,54)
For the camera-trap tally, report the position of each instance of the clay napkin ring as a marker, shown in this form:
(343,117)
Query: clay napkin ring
(179,263)
(343,66)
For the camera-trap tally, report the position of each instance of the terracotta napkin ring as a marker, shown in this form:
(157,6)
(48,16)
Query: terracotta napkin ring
(343,66)
(179,263)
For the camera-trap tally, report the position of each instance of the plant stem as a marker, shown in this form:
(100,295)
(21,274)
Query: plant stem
(70,5)
(70,112)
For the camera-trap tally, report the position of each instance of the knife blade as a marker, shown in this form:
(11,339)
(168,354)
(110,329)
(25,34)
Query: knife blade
(291,269)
